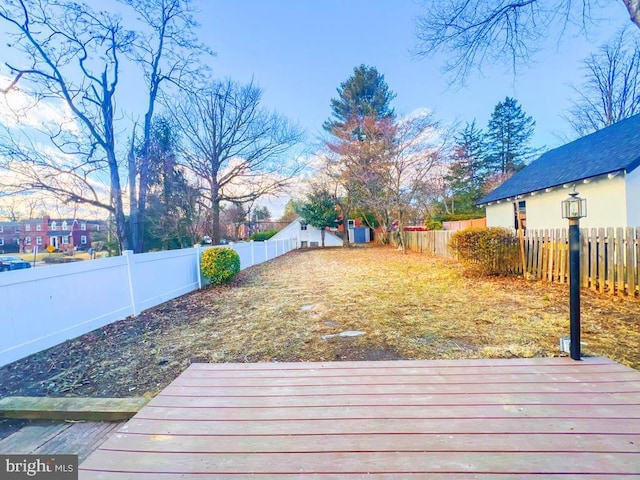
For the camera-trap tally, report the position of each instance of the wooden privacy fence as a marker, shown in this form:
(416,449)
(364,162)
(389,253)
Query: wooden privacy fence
(462,224)
(435,242)
(609,258)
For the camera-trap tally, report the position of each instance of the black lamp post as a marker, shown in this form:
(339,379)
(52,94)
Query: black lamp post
(573,209)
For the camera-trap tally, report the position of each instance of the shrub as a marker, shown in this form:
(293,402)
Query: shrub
(434,225)
(487,251)
(262,236)
(220,265)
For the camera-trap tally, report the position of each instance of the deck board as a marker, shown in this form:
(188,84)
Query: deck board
(521,418)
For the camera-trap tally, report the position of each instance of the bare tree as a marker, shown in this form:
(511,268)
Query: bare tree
(73,55)
(237,149)
(473,32)
(69,57)
(387,168)
(611,90)
(168,53)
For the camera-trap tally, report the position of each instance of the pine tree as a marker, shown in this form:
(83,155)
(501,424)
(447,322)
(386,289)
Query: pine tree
(508,138)
(364,94)
(467,170)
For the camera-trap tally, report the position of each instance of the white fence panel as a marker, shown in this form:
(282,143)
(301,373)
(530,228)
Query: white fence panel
(244,251)
(161,276)
(42,307)
(259,252)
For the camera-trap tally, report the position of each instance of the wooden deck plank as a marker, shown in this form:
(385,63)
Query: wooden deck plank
(47,437)
(522,418)
(515,425)
(462,363)
(340,412)
(424,400)
(367,462)
(404,372)
(452,379)
(458,442)
(402,389)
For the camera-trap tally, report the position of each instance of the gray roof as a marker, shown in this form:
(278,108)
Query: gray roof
(609,150)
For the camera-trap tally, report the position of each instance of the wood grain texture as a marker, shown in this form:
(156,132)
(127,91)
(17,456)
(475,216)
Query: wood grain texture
(521,418)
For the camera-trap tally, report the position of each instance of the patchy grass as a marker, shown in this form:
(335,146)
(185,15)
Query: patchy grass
(411,306)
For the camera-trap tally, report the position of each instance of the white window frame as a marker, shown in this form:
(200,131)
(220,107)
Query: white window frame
(54,225)
(65,240)
(38,228)
(38,240)
(65,225)
(27,227)
(83,226)
(27,240)
(16,241)
(1,241)
(303,226)
(83,239)
(1,229)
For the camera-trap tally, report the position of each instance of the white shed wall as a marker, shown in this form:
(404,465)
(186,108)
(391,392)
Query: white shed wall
(310,234)
(633,198)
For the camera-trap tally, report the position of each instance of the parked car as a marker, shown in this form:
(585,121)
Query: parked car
(9,262)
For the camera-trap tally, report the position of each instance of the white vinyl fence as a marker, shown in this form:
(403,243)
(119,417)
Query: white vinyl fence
(42,307)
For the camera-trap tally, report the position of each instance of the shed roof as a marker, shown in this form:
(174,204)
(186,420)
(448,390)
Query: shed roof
(609,150)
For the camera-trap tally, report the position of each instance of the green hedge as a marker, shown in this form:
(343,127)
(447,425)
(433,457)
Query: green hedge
(262,236)
(487,251)
(220,265)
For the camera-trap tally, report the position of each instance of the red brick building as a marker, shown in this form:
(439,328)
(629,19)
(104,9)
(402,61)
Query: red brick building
(65,235)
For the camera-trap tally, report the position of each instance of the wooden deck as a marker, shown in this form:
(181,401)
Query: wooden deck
(56,437)
(402,420)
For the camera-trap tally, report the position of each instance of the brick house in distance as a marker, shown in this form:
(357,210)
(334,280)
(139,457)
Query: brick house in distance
(66,235)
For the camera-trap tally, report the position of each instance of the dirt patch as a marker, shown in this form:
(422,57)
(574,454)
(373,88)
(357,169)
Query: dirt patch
(410,306)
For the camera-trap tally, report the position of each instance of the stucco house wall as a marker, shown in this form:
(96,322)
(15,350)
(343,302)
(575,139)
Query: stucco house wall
(500,214)
(608,205)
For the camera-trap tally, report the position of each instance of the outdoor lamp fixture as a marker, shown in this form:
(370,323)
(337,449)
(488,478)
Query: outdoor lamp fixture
(573,209)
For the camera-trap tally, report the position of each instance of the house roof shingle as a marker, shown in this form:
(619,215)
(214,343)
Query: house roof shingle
(608,150)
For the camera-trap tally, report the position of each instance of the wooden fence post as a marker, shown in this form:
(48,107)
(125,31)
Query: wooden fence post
(631,281)
(609,245)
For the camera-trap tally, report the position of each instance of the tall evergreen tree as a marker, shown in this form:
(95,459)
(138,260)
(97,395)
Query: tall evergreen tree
(364,94)
(364,99)
(467,170)
(508,138)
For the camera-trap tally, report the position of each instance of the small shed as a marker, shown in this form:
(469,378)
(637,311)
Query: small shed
(306,235)
(359,234)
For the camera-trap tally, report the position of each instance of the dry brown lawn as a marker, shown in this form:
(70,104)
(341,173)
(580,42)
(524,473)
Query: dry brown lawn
(411,306)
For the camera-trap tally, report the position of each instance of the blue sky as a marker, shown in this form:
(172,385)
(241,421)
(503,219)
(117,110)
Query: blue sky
(299,51)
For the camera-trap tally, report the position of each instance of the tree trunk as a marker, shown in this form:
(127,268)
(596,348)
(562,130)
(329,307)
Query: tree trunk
(401,241)
(322,230)
(133,204)
(215,221)
(345,225)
